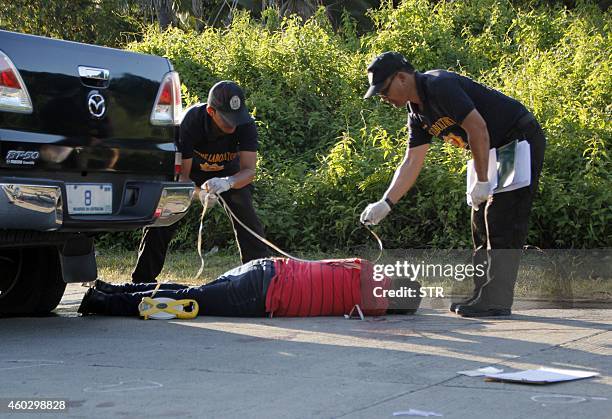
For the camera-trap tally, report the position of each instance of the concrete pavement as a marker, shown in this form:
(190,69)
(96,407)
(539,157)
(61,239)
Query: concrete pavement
(316,367)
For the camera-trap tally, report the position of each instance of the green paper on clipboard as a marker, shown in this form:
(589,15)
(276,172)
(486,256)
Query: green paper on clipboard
(506,164)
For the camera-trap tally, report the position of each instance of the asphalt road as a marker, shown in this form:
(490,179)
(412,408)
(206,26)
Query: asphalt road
(317,367)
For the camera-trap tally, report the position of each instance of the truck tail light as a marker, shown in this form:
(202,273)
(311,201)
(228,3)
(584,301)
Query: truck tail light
(14,96)
(178,163)
(167,107)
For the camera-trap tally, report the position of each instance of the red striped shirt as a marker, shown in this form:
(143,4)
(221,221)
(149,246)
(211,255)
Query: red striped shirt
(322,288)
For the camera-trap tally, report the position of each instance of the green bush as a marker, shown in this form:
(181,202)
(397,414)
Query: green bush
(326,153)
(103,22)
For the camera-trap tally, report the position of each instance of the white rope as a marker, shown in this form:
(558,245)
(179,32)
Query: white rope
(378,240)
(200,236)
(262,239)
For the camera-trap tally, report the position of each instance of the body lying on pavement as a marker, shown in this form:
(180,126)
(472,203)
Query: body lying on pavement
(277,287)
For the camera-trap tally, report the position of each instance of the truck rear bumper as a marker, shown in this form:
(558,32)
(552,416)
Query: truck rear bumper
(173,205)
(40,205)
(30,207)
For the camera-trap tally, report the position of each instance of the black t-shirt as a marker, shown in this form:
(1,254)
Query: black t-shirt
(214,153)
(447,98)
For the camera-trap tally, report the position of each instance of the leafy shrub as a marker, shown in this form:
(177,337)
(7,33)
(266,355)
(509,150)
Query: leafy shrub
(325,153)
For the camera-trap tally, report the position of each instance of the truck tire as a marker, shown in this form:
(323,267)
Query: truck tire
(31,282)
(53,285)
(11,267)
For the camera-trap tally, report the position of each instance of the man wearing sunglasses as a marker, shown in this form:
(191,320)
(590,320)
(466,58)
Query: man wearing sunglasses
(218,142)
(469,115)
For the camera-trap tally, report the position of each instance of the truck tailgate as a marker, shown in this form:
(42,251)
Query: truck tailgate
(91,109)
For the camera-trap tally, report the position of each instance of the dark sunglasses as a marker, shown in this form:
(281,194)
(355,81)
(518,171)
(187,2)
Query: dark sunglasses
(385,90)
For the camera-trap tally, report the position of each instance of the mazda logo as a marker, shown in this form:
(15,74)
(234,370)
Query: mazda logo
(96,104)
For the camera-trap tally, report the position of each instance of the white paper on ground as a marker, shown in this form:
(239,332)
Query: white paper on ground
(542,376)
(415,412)
(480,372)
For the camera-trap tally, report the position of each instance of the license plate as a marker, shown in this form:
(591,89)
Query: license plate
(90,198)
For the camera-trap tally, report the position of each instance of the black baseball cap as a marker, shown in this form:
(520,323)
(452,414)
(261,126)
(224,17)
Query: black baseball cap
(383,67)
(227,98)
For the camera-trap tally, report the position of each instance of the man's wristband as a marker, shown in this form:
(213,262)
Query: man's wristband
(388,201)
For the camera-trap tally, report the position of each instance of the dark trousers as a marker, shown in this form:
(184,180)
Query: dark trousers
(240,292)
(155,240)
(499,231)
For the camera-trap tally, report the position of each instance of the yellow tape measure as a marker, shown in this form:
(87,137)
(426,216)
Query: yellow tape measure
(167,308)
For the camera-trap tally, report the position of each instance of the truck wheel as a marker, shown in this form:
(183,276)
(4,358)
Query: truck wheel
(31,281)
(11,266)
(52,284)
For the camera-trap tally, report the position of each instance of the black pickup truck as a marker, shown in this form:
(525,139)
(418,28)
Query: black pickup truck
(87,144)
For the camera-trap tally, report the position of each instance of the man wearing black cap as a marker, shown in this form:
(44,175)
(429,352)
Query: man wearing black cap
(469,115)
(218,142)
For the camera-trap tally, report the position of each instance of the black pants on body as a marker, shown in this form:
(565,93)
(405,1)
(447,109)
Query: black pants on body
(500,226)
(240,292)
(155,240)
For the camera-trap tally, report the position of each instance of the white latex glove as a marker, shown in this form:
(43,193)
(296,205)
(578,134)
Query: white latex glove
(212,198)
(217,185)
(374,213)
(480,193)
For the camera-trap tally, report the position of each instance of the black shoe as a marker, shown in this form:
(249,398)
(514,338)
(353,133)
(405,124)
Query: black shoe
(453,306)
(475,311)
(94,302)
(107,288)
